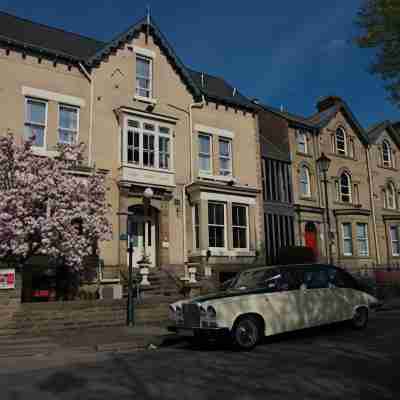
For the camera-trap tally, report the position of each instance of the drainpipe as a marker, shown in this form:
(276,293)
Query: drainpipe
(91,111)
(191,106)
(371,199)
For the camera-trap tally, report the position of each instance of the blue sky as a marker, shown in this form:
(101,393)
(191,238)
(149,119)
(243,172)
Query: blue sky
(283,52)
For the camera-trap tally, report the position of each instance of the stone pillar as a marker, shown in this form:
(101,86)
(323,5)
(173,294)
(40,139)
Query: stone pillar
(252,227)
(203,208)
(164,233)
(228,224)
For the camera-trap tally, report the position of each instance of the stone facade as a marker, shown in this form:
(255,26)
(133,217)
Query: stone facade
(385,162)
(113,114)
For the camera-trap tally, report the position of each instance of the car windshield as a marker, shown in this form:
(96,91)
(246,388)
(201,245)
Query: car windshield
(255,279)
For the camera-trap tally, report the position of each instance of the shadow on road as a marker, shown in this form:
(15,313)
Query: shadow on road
(331,330)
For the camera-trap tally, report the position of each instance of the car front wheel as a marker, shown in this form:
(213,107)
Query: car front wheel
(246,333)
(360,318)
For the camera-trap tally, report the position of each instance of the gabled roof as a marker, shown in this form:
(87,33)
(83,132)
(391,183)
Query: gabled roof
(322,118)
(46,40)
(159,38)
(375,131)
(33,36)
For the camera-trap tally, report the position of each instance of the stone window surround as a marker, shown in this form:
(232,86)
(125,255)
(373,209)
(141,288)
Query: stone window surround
(150,55)
(156,133)
(203,198)
(218,133)
(355,251)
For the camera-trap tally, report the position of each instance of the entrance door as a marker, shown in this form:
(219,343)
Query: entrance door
(143,234)
(310,238)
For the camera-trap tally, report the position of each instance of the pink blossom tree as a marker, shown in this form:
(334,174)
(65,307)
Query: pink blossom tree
(46,207)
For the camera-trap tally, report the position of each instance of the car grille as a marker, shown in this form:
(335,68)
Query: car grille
(191,315)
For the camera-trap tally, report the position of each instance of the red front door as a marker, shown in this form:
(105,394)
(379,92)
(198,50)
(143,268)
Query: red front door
(311,237)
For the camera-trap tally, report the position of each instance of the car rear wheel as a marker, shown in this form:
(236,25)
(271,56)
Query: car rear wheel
(246,333)
(360,318)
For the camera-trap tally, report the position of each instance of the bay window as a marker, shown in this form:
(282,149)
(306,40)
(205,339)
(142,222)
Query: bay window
(216,225)
(68,124)
(362,239)
(148,145)
(35,121)
(240,226)
(347,239)
(395,240)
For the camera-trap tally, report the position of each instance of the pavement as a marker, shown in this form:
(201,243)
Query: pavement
(332,362)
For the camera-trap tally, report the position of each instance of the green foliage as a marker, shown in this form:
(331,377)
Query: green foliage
(379,21)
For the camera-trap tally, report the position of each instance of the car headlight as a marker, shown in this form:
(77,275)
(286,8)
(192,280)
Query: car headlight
(211,313)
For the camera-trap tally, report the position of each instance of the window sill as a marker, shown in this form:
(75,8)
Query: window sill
(388,168)
(224,178)
(300,153)
(42,151)
(135,166)
(148,100)
(307,198)
(346,157)
(215,252)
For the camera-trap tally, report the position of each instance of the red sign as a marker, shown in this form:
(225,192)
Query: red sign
(7,278)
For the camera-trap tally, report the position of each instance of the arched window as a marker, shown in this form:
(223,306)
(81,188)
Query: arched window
(302,141)
(305,188)
(345,188)
(341,145)
(386,154)
(391,196)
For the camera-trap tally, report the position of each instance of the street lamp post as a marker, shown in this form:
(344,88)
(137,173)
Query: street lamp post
(323,163)
(130,317)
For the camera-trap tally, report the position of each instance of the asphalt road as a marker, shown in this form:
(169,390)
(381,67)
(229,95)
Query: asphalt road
(327,363)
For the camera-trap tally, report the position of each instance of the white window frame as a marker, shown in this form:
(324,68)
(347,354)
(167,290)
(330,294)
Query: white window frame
(302,134)
(150,78)
(210,154)
(31,123)
(338,151)
(195,225)
(362,239)
(67,106)
(397,240)
(216,249)
(229,158)
(386,163)
(241,227)
(305,168)
(350,194)
(348,238)
(157,134)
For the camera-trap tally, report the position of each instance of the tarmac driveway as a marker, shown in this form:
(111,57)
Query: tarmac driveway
(327,363)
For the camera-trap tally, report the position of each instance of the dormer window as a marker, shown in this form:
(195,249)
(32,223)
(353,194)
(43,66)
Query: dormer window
(386,154)
(341,145)
(144,66)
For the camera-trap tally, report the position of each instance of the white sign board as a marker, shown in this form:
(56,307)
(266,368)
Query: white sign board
(7,278)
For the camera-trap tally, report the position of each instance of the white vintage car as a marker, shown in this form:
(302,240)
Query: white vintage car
(270,300)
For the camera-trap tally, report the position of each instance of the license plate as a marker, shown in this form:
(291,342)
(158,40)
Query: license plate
(185,332)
